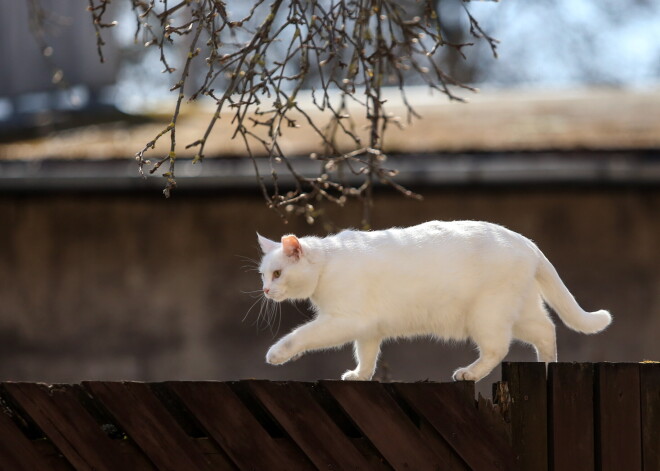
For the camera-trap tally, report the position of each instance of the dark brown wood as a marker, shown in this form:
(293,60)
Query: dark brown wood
(231,424)
(502,400)
(384,423)
(492,418)
(148,423)
(309,425)
(571,416)
(448,456)
(16,451)
(56,462)
(650,416)
(450,459)
(68,425)
(618,432)
(584,417)
(454,414)
(528,412)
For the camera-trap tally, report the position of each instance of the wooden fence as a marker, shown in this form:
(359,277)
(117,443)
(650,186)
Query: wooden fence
(582,417)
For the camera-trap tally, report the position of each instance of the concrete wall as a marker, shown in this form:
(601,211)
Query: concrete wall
(137,287)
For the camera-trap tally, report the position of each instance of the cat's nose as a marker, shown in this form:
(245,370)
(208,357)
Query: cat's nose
(266,290)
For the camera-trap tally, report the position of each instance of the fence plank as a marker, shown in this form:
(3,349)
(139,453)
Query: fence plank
(605,417)
(147,422)
(618,437)
(650,404)
(571,416)
(68,425)
(229,422)
(384,423)
(455,416)
(529,419)
(450,459)
(308,424)
(16,451)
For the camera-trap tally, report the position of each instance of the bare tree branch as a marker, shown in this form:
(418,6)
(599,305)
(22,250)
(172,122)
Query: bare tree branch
(344,50)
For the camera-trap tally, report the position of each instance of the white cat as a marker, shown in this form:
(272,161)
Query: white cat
(452,280)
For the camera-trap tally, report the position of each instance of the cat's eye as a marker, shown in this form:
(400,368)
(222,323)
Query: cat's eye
(276,274)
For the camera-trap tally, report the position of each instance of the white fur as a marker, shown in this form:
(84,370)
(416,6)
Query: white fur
(453,280)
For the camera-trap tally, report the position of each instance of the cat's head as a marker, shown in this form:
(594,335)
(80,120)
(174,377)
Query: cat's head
(287,272)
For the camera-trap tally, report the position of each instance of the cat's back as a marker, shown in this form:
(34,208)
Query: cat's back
(451,235)
(402,265)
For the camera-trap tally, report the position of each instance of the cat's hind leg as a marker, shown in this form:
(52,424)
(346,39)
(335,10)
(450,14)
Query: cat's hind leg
(366,355)
(491,352)
(536,328)
(489,327)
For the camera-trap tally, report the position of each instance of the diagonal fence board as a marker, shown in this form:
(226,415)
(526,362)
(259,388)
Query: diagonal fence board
(455,416)
(383,422)
(147,422)
(68,425)
(309,425)
(450,459)
(447,454)
(333,410)
(17,452)
(587,416)
(231,424)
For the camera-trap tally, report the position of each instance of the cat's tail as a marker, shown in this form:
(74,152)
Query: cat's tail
(556,294)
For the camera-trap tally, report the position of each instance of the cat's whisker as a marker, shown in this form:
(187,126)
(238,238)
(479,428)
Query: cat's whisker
(248,259)
(279,318)
(264,318)
(271,316)
(251,262)
(257,293)
(250,309)
(267,314)
(261,310)
(269,319)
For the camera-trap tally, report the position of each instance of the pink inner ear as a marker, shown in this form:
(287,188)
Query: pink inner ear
(291,246)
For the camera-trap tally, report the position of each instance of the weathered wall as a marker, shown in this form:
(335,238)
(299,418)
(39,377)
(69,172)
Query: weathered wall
(138,287)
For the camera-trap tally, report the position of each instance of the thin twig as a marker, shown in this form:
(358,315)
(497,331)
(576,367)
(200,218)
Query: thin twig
(261,61)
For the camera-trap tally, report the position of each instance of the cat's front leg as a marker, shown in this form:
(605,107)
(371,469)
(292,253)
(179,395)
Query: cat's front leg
(281,352)
(322,332)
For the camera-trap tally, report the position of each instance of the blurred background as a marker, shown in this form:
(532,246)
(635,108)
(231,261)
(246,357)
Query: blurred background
(103,278)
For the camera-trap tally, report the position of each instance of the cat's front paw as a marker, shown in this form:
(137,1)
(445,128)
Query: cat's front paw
(463,374)
(353,375)
(279,354)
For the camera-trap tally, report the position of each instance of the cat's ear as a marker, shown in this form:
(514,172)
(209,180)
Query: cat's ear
(291,246)
(266,245)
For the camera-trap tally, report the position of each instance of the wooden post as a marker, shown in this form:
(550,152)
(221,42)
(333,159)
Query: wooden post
(571,416)
(650,404)
(529,422)
(618,436)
